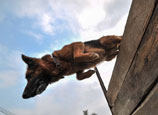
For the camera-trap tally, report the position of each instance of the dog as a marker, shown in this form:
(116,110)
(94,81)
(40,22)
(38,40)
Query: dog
(72,58)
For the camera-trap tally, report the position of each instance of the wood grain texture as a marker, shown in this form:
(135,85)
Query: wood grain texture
(143,70)
(139,16)
(150,105)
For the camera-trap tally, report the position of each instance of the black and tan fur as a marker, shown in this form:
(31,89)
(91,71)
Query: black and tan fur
(72,58)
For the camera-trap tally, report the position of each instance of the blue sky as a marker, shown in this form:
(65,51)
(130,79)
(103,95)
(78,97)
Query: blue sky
(38,27)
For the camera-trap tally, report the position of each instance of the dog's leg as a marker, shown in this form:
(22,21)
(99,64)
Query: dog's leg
(111,56)
(110,41)
(83,75)
(80,56)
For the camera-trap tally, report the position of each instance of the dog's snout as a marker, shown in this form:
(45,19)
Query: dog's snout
(28,92)
(25,95)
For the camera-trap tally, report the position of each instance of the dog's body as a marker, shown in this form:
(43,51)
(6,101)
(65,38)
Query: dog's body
(72,58)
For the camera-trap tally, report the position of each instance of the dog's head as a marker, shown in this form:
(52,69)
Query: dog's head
(40,73)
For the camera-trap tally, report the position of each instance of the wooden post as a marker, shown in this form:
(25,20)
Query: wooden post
(134,84)
(102,86)
(138,20)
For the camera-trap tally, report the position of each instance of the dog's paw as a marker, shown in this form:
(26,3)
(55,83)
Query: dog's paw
(91,72)
(93,56)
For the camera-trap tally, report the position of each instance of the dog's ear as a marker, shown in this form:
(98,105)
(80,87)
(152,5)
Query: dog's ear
(46,57)
(28,60)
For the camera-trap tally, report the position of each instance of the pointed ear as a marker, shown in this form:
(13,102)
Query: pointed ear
(27,60)
(46,57)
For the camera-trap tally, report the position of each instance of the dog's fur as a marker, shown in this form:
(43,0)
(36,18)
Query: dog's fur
(72,58)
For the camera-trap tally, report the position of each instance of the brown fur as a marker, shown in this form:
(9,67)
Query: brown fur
(72,58)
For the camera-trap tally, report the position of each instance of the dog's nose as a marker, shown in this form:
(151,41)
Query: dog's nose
(25,95)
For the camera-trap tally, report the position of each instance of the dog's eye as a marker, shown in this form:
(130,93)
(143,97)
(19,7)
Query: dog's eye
(28,77)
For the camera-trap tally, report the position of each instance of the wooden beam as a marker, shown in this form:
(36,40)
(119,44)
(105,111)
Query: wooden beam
(150,104)
(143,69)
(139,16)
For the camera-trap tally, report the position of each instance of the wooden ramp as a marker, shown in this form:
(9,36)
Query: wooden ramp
(133,89)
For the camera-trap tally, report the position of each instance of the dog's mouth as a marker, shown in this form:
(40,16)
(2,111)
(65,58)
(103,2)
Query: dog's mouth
(35,87)
(41,87)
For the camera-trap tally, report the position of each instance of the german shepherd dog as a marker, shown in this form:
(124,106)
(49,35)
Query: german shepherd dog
(72,58)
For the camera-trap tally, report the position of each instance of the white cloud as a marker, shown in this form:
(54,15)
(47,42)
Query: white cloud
(79,15)
(46,23)
(115,10)
(92,14)
(91,33)
(69,97)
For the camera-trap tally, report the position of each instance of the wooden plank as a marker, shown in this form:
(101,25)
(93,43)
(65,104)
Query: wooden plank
(150,105)
(139,15)
(142,72)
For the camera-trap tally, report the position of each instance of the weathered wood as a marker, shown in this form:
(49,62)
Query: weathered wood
(150,105)
(142,72)
(139,16)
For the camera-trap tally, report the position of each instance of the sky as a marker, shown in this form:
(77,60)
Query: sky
(39,27)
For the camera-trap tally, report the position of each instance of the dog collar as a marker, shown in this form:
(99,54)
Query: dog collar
(56,61)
